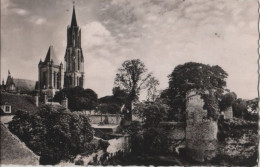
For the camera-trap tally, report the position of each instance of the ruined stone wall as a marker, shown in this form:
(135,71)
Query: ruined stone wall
(174,132)
(201,140)
(201,133)
(110,119)
(118,145)
(228,113)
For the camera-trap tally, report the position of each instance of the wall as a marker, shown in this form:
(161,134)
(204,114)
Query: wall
(112,119)
(201,133)
(119,144)
(201,140)
(175,136)
(228,113)
(116,145)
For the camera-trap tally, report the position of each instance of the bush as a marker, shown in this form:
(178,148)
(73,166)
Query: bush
(239,108)
(109,108)
(78,98)
(237,143)
(227,100)
(53,133)
(151,112)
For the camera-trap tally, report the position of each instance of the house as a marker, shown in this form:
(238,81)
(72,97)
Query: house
(6,108)
(16,85)
(10,103)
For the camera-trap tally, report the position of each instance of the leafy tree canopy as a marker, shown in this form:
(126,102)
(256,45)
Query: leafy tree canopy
(78,98)
(112,104)
(239,108)
(119,96)
(53,133)
(196,76)
(133,77)
(190,76)
(151,112)
(227,100)
(109,108)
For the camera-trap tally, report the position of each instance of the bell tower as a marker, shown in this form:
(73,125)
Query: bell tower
(74,59)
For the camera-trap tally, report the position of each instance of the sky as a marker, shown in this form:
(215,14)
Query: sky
(161,33)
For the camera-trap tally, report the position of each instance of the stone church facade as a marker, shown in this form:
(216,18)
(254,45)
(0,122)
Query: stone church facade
(74,59)
(53,76)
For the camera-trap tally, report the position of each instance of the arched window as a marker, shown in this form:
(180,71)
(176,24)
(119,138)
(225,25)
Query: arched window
(81,81)
(79,57)
(70,80)
(54,79)
(73,66)
(68,60)
(44,79)
(73,39)
(58,80)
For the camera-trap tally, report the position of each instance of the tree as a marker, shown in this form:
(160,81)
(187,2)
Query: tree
(239,108)
(112,104)
(53,132)
(132,77)
(78,98)
(119,94)
(152,93)
(193,76)
(151,112)
(109,108)
(227,100)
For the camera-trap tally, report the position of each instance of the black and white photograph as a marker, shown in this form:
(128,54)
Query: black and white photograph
(129,82)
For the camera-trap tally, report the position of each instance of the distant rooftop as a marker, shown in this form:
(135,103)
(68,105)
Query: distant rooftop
(18,102)
(24,84)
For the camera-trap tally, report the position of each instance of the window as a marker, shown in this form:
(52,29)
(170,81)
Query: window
(79,57)
(54,78)
(7,109)
(44,80)
(73,66)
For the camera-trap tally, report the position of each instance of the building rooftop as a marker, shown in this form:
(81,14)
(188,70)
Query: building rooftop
(15,152)
(24,84)
(73,19)
(18,102)
(51,56)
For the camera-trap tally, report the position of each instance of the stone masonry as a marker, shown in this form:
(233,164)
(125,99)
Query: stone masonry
(201,133)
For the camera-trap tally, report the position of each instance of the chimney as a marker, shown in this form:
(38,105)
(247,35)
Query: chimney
(45,98)
(36,99)
(64,102)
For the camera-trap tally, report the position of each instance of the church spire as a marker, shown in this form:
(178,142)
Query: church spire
(73,19)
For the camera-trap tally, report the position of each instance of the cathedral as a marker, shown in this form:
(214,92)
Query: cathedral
(53,76)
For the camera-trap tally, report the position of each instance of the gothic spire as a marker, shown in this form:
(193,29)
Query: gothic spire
(50,56)
(73,19)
